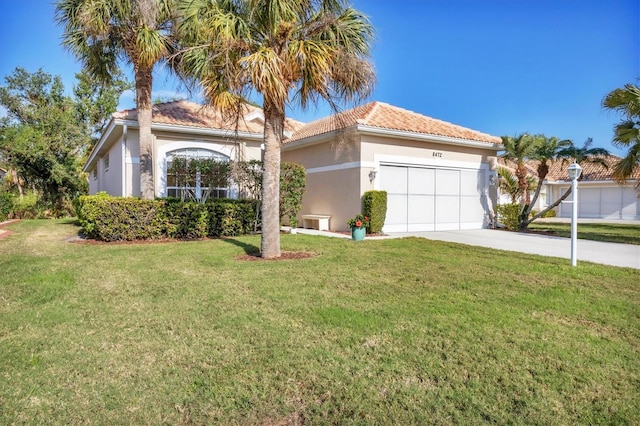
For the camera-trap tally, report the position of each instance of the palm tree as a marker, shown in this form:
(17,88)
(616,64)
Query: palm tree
(627,132)
(288,51)
(584,154)
(508,184)
(101,33)
(546,150)
(519,149)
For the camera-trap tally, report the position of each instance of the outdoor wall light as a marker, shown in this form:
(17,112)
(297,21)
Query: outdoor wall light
(574,171)
(493,179)
(372,175)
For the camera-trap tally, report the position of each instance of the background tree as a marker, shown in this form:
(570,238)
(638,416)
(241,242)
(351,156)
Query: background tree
(95,101)
(626,134)
(102,34)
(40,138)
(299,51)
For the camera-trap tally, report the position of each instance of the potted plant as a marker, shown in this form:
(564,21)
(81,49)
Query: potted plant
(358,227)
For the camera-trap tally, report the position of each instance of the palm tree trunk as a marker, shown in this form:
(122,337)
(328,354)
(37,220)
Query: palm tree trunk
(273,128)
(144,105)
(521,174)
(554,205)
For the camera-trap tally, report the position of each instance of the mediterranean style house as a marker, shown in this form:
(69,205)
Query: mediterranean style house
(437,175)
(599,195)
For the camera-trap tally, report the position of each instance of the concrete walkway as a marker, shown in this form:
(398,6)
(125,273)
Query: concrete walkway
(625,255)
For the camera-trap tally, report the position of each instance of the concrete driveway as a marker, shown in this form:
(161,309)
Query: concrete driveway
(626,255)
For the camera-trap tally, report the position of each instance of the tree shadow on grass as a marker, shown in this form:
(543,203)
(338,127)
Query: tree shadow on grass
(249,249)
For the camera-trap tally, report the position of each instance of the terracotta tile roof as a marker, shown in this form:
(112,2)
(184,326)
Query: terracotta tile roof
(191,114)
(590,171)
(384,116)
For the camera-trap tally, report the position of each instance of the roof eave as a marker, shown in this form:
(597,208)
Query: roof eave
(105,136)
(403,134)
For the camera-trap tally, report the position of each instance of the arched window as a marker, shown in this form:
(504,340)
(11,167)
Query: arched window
(197,174)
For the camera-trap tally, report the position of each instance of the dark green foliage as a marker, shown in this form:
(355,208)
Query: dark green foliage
(126,219)
(6,205)
(229,218)
(374,206)
(293,181)
(186,171)
(188,220)
(122,219)
(45,136)
(509,215)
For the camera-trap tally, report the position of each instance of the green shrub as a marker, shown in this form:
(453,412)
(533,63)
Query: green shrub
(26,206)
(186,220)
(508,215)
(229,218)
(125,219)
(6,205)
(293,181)
(374,206)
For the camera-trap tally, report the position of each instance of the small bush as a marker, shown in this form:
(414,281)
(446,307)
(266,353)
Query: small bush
(508,215)
(26,206)
(374,206)
(6,205)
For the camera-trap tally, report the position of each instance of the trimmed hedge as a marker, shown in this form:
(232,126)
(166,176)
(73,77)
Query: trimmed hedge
(374,205)
(109,218)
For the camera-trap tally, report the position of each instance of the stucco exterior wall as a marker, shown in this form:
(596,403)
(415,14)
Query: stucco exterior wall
(333,180)
(335,193)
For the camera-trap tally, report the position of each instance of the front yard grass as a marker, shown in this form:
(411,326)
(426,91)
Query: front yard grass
(610,232)
(402,331)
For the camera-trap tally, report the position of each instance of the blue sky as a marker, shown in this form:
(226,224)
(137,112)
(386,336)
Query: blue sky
(499,66)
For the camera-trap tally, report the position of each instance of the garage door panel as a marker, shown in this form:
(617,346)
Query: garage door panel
(394,179)
(471,182)
(589,202)
(630,204)
(396,220)
(448,213)
(421,213)
(447,183)
(421,181)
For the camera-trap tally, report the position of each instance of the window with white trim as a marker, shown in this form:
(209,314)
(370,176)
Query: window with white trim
(197,174)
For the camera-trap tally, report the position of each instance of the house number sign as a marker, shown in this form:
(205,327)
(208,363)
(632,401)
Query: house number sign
(437,154)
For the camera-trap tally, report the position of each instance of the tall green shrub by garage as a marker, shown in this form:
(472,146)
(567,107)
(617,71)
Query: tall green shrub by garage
(374,206)
(293,181)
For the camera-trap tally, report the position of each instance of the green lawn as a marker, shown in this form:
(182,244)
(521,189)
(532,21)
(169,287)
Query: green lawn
(612,232)
(403,331)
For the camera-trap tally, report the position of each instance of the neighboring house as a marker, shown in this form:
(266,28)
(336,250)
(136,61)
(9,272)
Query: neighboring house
(437,175)
(599,195)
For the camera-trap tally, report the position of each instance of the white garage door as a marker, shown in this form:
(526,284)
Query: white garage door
(433,199)
(605,203)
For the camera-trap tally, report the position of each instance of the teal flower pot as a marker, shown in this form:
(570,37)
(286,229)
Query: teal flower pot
(357,234)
